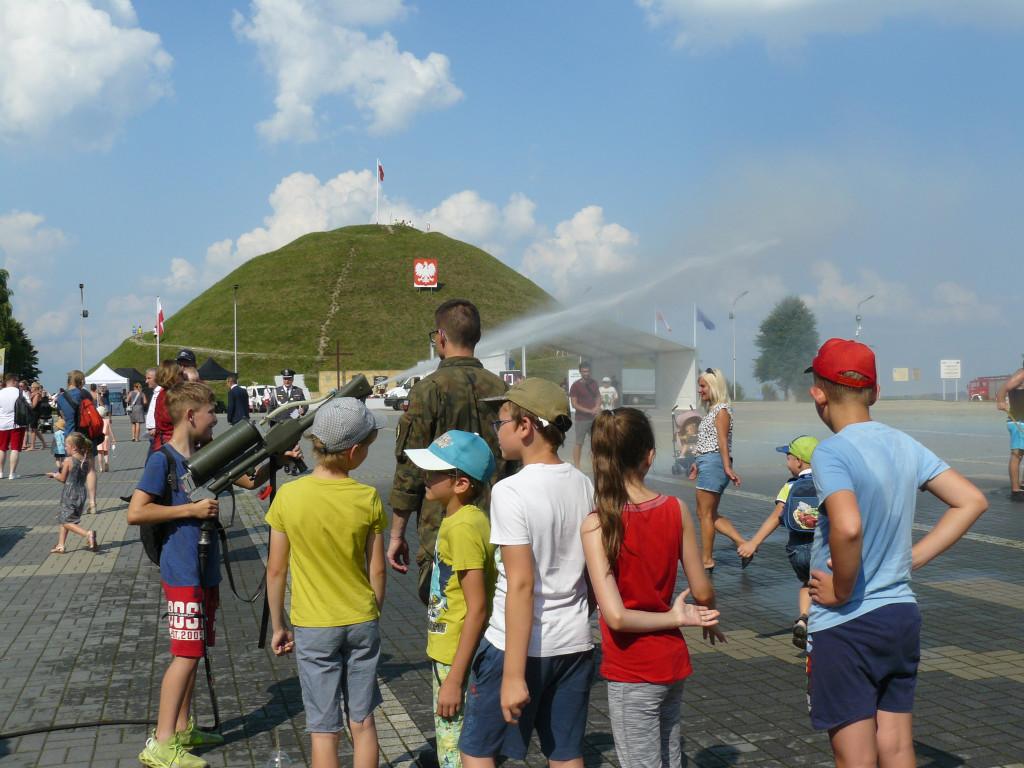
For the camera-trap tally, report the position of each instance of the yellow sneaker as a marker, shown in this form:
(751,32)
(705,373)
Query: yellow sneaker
(192,738)
(169,754)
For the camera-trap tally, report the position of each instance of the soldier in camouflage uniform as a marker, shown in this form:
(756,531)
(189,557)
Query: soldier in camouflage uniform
(449,398)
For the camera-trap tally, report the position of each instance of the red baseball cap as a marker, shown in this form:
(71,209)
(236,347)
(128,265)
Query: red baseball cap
(837,356)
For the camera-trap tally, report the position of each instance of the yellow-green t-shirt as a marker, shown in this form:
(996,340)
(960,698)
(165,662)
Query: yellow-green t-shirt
(327,523)
(463,544)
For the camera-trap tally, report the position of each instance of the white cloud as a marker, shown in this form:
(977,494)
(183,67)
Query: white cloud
(74,73)
(583,247)
(702,24)
(312,51)
(21,236)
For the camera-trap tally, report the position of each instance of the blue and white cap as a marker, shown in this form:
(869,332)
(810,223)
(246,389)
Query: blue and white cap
(459,450)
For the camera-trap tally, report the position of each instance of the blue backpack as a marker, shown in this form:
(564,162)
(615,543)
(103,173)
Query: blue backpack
(800,513)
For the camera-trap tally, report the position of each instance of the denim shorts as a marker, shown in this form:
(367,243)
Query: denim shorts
(338,663)
(559,689)
(865,665)
(800,559)
(711,475)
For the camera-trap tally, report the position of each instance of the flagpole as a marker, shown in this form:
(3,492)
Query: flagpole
(695,325)
(376,176)
(655,322)
(158,330)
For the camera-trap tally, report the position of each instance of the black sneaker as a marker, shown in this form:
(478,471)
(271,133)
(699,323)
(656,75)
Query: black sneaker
(1017,496)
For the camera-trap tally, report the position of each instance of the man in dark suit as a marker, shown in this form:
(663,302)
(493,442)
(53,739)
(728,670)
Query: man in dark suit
(238,401)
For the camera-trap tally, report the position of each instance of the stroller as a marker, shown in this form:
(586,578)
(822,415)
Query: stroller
(45,411)
(684,439)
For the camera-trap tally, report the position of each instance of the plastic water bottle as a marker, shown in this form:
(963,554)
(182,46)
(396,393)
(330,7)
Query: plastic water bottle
(279,759)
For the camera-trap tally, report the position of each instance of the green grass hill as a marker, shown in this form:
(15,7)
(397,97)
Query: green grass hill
(354,286)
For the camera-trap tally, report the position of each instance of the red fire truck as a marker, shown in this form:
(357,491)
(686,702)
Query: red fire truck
(986,387)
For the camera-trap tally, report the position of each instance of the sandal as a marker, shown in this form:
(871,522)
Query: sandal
(92,507)
(58,551)
(800,632)
(91,541)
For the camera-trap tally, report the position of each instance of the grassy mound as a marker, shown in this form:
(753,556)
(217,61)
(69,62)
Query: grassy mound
(352,286)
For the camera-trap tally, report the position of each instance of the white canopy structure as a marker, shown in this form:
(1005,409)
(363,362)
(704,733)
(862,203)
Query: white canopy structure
(106,375)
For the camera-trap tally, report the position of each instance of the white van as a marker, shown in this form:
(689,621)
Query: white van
(259,397)
(393,397)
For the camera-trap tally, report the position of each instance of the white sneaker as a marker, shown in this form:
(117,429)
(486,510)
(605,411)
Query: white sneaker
(14,476)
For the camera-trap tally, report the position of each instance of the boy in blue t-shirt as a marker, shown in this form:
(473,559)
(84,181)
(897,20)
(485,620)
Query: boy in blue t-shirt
(863,644)
(796,509)
(191,597)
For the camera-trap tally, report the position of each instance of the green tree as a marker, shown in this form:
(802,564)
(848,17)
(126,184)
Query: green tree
(788,340)
(21,356)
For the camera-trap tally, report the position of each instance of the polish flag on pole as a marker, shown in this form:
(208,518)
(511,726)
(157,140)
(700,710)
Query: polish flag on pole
(661,317)
(380,170)
(159,318)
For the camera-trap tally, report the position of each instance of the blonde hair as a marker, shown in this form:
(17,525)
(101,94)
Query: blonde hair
(79,441)
(716,387)
(185,395)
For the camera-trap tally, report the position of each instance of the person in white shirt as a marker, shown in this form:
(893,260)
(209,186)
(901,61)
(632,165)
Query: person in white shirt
(11,435)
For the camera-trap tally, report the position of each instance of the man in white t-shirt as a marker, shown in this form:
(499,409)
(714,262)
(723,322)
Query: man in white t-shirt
(11,435)
(536,659)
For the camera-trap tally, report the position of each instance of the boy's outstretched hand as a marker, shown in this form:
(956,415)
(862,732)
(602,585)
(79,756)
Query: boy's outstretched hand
(514,696)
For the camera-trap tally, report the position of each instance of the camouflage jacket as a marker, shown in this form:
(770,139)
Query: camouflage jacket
(447,399)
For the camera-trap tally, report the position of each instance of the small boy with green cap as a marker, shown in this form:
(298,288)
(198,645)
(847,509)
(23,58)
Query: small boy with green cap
(796,508)
(458,465)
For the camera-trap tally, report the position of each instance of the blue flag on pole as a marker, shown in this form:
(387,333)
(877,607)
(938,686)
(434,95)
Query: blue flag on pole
(705,320)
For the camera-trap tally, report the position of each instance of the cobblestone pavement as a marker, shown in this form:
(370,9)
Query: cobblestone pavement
(81,639)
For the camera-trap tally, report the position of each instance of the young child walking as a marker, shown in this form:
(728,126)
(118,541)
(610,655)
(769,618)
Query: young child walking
(796,509)
(863,645)
(327,529)
(634,542)
(108,443)
(459,465)
(534,665)
(59,452)
(72,473)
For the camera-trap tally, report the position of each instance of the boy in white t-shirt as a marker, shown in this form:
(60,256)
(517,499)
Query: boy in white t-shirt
(535,662)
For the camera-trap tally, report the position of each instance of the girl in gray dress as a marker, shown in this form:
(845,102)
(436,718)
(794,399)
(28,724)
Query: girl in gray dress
(72,500)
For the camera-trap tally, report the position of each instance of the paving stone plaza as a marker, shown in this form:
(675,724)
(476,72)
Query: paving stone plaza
(81,639)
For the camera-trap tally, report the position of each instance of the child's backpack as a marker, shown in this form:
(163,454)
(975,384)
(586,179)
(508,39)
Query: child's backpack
(22,412)
(800,513)
(153,535)
(87,419)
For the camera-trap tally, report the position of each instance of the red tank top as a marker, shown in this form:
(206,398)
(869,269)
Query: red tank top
(646,575)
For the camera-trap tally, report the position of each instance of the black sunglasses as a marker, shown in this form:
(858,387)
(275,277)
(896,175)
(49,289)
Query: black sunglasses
(710,370)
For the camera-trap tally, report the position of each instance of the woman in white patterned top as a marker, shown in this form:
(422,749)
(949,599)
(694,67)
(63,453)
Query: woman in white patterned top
(713,469)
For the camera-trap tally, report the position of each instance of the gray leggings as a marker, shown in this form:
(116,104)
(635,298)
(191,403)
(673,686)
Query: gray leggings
(645,723)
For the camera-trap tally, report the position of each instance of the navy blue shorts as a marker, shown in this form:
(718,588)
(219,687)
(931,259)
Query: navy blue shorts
(863,666)
(559,689)
(800,559)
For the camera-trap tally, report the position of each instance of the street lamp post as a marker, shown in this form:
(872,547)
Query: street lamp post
(732,317)
(236,329)
(857,335)
(85,314)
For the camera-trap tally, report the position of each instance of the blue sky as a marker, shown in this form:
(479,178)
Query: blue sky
(829,150)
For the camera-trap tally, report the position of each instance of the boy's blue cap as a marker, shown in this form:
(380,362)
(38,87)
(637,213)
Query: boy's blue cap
(459,450)
(802,447)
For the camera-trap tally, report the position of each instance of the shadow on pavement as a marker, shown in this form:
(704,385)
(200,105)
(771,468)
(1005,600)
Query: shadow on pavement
(11,536)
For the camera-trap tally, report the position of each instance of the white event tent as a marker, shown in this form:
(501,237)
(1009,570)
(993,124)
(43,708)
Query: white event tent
(106,375)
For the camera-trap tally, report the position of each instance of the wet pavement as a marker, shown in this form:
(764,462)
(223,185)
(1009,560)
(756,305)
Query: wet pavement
(81,639)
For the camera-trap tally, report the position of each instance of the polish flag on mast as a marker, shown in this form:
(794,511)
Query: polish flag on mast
(159,318)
